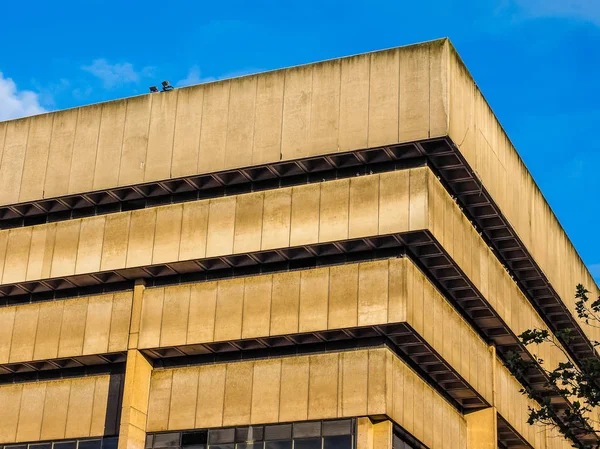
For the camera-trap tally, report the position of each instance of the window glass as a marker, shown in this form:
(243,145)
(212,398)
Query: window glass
(341,427)
(194,439)
(281,444)
(110,443)
(219,436)
(89,444)
(255,445)
(279,432)
(307,429)
(249,434)
(166,440)
(308,443)
(65,445)
(337,442)
(41,446)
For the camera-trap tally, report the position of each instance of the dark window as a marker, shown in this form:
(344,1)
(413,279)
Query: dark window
(194,439)
(110,443)
(307,429)
(42,446)
(308,443)
(89,444)
(166,440)
(337,442)
(281,444)
(249,434)
(278,432)
(255,445)
(219,436)
(66,445)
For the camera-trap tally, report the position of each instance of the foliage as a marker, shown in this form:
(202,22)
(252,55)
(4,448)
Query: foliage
(578,382)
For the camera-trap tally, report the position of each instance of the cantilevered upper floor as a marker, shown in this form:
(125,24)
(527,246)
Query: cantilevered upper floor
(364,110)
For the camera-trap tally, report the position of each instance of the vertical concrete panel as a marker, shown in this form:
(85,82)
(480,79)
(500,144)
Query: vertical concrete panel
(333,214)
(240,123)
(188,121)
(151,319)
(257,306)
(97,328)
(293,405)
(221,219)
(325,107)
(268,117)
(32,409)
(55,410)
(285,303)
(343,296)
(36,157)
(194,227)
(161,135)
(372,293)
(297,99)
(397,294)
(142,232)
(23,338)
(36,253)
(3,126)
(48,330)
(65,248)
(9,412)
(393,202)
(73,327)
(110,140)
(85,145)
(276,219)
(135,139)
(383,98)
(119,321)
(159,401)
(79,416)
(13,159)
(203,304)
(305,214)
(323,386)
(184,395)
(265,391)
(213,137)
(7,321)
(48,249)
(175,316)
(3,247)
(377,381)
(418,199)
(355,370)
(314,295)
(414,92)
(228,316)
(17,255)
(211,395)
(238,394)
(91,238)
(116,233)
(61,153)
(364,206)
(248,222)
(354,102)
(100,421)
(168,234)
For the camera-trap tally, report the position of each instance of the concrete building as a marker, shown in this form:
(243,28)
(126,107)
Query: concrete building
(337,255)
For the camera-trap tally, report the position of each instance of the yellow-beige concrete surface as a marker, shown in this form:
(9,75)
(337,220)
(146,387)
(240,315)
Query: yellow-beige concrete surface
(482,429)
(332,385)
(337,297)
(65,328)
(381,98)
(373,435)
(387,203)
(134,410)
(58,409)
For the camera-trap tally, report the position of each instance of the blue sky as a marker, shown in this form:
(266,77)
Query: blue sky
(536,61)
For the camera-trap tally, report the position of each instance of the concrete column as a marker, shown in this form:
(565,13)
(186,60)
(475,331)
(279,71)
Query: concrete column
(136,391)
(136,313)
(371,435)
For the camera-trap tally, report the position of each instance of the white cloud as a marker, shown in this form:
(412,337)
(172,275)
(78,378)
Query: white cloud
(16,103)
(194,76)
(115,75)
(586,10)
